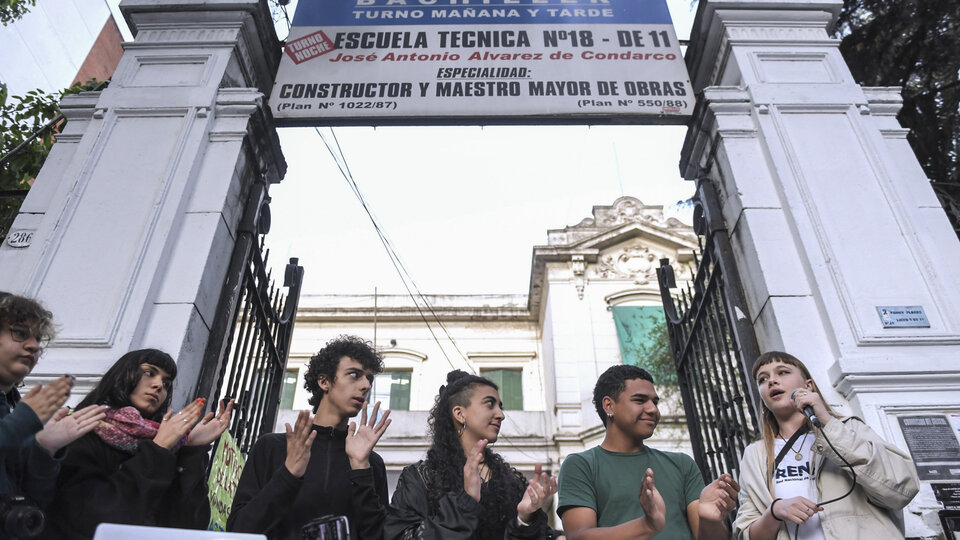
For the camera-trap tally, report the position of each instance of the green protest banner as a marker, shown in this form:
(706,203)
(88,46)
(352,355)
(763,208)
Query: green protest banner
(224,475)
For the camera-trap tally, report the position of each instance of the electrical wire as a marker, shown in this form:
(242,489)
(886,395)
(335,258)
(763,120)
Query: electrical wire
(336,152)
(340,160)
(405,277)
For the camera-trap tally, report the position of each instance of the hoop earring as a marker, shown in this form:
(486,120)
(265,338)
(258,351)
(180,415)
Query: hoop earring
(462,429)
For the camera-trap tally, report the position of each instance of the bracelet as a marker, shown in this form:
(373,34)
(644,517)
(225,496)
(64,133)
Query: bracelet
(522,523)
(772,513)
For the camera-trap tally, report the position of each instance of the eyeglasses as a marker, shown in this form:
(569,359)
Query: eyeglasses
(22,333)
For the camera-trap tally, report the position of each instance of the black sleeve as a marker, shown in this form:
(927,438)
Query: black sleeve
(16,429)
(35,470)
(186,505)
(266,489)
(38,480)
(369,498)
(93,490)
(408,517)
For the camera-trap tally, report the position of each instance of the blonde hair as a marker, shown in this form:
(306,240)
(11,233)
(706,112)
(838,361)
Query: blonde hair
(769,426)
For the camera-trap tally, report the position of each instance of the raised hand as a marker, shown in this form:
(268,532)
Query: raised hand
(210,427)
(471,470)
(803,397)
(539,494)
(174,426)
(718,498)
(796,509)
(361,440)
(654,510)
(46,400)
(299,440)
(64,428)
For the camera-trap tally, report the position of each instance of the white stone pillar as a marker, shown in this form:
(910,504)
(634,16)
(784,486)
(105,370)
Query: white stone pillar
(135,212)
(828,209)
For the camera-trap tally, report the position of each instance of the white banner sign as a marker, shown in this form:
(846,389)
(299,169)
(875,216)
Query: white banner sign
(485,61)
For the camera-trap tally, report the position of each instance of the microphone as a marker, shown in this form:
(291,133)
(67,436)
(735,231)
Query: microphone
(807,410)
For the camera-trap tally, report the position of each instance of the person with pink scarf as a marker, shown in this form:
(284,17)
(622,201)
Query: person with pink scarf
(143,464)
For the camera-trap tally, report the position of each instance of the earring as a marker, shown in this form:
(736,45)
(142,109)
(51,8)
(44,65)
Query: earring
(459,433)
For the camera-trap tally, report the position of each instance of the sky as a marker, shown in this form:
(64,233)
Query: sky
(462,206)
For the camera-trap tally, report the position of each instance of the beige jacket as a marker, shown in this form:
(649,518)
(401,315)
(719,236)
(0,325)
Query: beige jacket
(886,482)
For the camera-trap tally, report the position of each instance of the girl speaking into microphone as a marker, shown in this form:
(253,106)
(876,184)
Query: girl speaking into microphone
(840,481)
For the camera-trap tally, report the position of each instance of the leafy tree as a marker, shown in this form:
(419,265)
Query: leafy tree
(914,44)
(642,332)
(21,117)
(11,10)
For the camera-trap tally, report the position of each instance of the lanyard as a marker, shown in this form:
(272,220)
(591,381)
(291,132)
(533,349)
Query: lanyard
(787,447)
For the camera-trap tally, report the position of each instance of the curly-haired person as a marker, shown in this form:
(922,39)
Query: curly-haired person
(321,466)
(464,490)
(34,429)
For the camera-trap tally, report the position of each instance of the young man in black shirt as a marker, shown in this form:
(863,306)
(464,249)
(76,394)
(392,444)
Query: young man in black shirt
(320,466)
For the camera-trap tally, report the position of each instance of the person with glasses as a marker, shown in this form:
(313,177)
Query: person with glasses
(34,428)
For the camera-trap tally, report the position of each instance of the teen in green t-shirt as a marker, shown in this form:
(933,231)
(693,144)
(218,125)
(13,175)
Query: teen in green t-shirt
(610,491)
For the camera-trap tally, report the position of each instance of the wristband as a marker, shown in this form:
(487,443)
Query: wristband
(522,523)
(772,513)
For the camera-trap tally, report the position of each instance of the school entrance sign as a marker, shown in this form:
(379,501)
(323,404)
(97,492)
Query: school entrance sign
(495,61)
(128,231)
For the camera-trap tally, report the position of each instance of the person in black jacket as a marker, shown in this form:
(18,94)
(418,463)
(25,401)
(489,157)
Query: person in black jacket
(320,466)
(143,464)
(464,490)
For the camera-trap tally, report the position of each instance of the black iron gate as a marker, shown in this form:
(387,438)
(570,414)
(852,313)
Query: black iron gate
(250,337)
(713,344)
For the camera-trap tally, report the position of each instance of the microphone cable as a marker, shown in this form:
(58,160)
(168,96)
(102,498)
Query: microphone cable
(853,485)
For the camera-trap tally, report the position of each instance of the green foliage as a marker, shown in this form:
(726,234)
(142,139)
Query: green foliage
(653,351)
(642,333)
(20,117)
(914,44)
(11,10)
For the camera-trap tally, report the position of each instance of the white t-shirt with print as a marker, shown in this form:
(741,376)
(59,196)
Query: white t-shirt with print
(797,478)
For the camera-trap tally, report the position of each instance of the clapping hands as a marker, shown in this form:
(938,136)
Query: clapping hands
(210,427)
(718,498)
(64,428)
(654,509)
(362,437)
(174,426)
(539,494)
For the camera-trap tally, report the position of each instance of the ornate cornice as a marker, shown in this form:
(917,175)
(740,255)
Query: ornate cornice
(243,25)
(721,24)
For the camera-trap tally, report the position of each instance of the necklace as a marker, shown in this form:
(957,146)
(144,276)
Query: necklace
(797,454)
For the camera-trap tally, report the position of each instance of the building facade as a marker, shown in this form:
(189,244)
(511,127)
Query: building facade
(545,348)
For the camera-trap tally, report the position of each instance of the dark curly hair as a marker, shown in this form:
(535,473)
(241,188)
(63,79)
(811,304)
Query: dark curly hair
(121,380)
(16,309)
(326,361)
(445,459)
(612,382)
